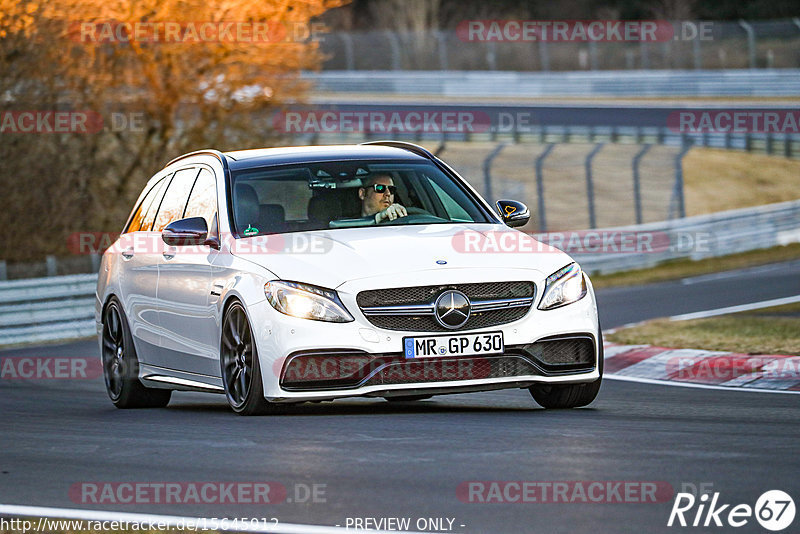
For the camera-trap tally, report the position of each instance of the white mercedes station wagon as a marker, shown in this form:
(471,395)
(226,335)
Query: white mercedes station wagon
(287,275)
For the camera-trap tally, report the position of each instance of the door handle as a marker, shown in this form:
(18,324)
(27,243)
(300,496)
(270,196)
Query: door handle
(127,253)
(168,255)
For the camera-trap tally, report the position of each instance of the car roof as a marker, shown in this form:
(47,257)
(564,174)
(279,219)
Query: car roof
(258,157)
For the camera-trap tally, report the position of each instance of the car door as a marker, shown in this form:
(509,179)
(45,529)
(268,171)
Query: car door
(139,274)
(186,314)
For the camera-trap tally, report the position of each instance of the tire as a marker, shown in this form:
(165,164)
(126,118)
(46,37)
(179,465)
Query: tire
(241,371)
(408,398)
(555,397)
(121,366)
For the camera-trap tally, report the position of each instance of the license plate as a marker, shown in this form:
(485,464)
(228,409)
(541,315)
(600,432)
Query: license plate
(453,345)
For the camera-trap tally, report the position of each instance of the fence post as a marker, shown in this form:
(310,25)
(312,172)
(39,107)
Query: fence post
(540,186)
(787,145)
(3,270)
(751,42)
(698,59)
(95,261)
(487,171)
(442,146)
(491,55)
(395,46)
(52,268)
(441,40)
(645,55)
(666,52)
(349,58)
(544,55)
(593,55)
(590,184)
(629,60)
(637,184)
(677,192)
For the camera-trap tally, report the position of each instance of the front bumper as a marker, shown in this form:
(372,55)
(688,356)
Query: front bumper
(357,359)
(331,370)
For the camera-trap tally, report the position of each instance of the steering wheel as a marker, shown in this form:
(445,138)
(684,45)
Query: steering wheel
(415,215)
(417,211)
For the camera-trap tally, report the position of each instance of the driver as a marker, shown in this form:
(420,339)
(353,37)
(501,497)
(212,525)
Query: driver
(377,199)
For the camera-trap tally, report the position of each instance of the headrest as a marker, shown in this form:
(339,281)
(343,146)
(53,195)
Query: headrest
(245,206)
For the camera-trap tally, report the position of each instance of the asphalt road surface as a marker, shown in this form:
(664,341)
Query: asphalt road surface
(377,460)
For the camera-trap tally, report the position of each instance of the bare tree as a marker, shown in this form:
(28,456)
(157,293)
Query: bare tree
(415,20)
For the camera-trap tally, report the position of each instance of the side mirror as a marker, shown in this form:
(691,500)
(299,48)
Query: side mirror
(513,213)
(186,232)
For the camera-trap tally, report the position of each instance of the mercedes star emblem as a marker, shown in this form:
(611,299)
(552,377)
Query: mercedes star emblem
(452,309)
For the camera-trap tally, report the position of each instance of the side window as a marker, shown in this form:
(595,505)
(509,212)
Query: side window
(203,200)
(454,211)
(150,215)
(141,211)
(174,202)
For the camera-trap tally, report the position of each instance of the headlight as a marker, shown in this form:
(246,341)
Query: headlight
(563,287)
(306,301)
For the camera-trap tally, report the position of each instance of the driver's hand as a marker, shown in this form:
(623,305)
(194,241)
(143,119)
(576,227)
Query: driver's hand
(392,212)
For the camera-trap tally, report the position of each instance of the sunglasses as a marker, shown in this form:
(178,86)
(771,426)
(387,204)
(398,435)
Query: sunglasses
(382,188)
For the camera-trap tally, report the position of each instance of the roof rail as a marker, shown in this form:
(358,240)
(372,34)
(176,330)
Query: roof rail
(208,151)
(411,147)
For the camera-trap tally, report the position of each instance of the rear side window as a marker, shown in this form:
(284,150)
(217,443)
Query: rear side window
(175,198)
(138,219)
(203,200)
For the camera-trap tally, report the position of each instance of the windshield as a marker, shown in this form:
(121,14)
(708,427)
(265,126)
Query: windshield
(347,194)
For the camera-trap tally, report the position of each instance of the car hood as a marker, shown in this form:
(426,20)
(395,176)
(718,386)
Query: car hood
(330,258)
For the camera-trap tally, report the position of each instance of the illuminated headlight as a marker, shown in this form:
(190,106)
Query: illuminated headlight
(563,287)
(306,301)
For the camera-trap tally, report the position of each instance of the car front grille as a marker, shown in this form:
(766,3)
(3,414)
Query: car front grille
(412,308)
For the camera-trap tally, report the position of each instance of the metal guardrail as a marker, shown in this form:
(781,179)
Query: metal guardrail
(47,309)
(60,308)
(708,44)
(704,236)
(697,83)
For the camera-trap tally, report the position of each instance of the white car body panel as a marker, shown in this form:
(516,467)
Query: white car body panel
(175,305)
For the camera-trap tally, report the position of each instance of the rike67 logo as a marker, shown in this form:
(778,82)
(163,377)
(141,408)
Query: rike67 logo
(774,510)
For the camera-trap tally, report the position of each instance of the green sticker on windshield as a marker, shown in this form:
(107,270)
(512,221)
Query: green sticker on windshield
(250,231)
